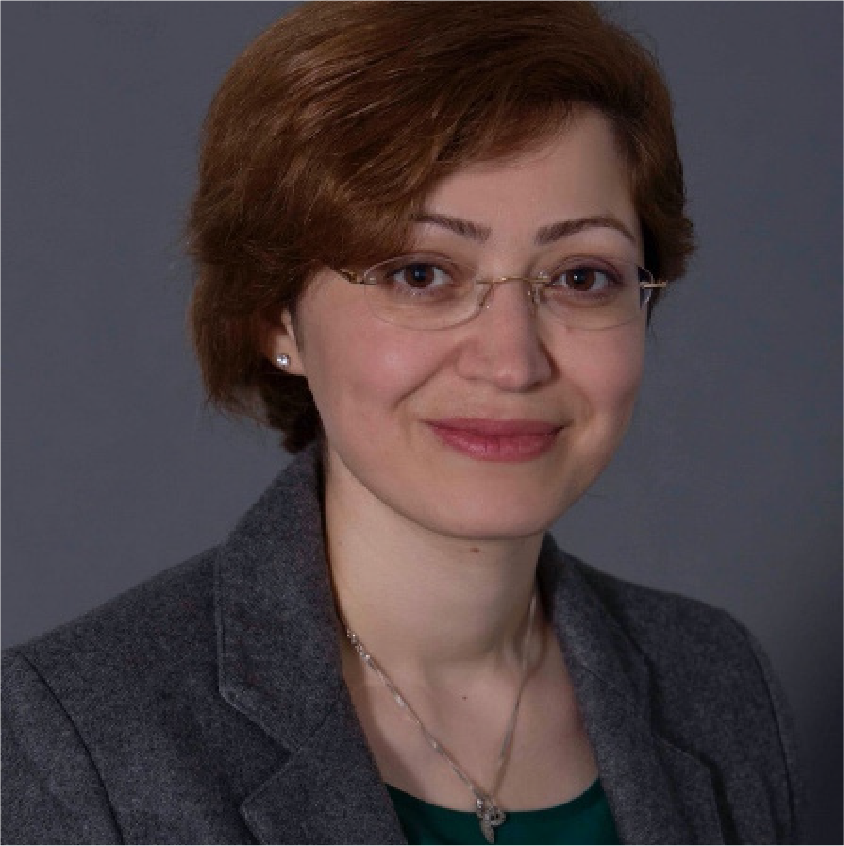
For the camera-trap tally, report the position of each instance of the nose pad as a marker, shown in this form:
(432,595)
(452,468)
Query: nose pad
(534,291)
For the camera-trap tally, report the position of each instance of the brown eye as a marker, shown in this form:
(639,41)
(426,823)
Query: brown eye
(586,279)
(419,275)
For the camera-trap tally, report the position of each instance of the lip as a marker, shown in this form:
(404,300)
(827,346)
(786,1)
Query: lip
(496,440)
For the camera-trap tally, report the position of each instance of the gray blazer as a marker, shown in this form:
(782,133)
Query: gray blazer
(208,706)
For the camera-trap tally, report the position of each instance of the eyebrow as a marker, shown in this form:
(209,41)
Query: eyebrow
(464,228)
(546,235)
(565,228)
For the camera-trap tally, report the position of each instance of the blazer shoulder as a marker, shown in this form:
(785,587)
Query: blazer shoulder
(74,695)
(669,627)
(713,689)
(707,670)
(168,616)
(114,724)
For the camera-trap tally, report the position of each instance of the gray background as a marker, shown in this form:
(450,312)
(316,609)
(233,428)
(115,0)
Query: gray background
(729,485)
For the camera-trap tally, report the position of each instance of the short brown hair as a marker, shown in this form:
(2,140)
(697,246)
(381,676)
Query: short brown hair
(331,128)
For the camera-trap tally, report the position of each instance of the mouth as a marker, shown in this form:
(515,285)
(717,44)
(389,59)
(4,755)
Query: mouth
(496,440)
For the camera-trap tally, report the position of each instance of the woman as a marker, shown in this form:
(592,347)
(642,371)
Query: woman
(428,240)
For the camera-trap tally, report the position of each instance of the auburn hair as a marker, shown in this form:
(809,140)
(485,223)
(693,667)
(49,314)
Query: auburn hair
(331,128)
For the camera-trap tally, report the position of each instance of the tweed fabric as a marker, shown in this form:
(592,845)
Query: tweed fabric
(208,706)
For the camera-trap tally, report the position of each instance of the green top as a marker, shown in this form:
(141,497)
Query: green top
(586,819)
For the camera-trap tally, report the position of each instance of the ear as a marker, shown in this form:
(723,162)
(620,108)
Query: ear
(279,337)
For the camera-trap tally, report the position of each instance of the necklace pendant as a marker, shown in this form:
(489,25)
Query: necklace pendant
(489,816)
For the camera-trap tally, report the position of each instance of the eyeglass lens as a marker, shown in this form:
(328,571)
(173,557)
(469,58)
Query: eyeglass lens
(420,291)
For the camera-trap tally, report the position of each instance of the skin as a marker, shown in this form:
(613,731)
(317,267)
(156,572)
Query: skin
(433,552)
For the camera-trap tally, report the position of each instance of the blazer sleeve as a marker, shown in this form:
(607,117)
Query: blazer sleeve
(52,792)
(795,830)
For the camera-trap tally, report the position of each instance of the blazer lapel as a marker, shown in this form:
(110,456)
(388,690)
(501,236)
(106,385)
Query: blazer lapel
(328,791)
(657,792)
(279,664)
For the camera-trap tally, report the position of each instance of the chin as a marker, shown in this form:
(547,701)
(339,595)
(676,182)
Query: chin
(489,518)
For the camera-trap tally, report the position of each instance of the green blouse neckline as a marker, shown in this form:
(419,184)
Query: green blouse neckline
(565,809)
(584,819)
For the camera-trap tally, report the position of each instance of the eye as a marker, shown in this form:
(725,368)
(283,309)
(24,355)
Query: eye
(418,275)
(587,276)
(421,276)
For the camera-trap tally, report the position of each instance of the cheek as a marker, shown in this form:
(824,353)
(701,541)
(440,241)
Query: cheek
(607,375)
(360,370)
(603,380)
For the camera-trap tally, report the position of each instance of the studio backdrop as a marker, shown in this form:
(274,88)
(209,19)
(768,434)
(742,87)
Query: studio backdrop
(728,487)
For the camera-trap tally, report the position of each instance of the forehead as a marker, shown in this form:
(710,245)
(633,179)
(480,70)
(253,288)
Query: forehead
(577,173)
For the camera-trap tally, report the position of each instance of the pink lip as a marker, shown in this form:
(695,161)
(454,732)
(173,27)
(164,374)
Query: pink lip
(496,440)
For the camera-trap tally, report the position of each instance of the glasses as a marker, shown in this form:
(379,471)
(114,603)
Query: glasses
(425,291)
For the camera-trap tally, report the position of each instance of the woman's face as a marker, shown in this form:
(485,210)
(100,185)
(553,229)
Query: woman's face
(389,396)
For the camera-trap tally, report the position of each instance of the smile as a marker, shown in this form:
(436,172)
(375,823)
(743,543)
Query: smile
(496,440)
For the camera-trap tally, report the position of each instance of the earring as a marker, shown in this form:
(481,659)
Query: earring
(283,360)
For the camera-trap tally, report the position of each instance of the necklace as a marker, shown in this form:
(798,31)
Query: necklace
(488,812)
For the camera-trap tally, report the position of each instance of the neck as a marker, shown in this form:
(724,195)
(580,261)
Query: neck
(433,606)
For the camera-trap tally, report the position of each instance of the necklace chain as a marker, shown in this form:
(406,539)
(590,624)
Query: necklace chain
(488,812)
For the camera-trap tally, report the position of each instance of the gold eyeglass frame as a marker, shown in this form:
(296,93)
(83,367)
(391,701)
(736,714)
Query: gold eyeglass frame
(536,283)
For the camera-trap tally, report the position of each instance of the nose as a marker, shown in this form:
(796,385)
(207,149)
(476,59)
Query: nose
(504,346)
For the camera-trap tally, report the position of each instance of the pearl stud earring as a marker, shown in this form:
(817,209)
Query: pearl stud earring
(283,360)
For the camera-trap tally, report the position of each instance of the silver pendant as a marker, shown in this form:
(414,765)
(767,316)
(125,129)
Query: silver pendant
(489,815)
